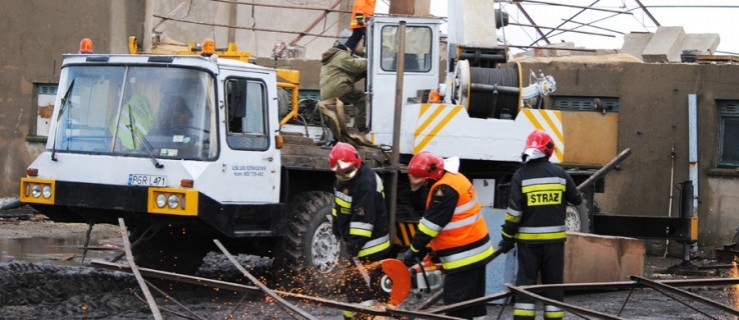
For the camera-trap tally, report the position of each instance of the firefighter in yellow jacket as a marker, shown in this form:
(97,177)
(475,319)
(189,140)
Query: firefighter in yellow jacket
(453,226)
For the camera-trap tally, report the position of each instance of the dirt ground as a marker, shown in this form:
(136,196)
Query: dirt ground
(48,290)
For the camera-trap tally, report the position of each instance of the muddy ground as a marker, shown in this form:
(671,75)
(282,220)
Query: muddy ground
(61,287)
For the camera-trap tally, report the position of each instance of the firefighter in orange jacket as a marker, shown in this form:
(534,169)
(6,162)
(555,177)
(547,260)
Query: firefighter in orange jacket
(535,223)
(361,13)
(454,227)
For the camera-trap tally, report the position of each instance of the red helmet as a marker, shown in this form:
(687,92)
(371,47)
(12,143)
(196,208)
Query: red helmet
(344,160)
(539,144)
(424,165)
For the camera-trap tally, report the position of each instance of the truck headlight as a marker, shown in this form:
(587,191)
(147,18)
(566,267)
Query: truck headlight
(36,190)
(161,200)
(173,201)
(46,191)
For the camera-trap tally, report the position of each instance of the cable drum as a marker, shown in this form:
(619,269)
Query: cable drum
(494,93)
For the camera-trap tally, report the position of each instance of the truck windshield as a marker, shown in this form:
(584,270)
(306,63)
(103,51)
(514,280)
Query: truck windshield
(137,111)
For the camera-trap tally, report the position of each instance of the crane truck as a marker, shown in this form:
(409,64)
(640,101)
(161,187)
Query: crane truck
(233,168)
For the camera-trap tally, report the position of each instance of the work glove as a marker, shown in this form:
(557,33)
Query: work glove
(409,258)
(506,245)
(360,19)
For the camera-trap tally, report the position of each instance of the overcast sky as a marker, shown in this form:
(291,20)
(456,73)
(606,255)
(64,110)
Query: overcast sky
(719,17)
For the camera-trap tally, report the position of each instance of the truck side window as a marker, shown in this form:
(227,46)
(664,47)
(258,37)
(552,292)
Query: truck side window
(246,101)
(417,49)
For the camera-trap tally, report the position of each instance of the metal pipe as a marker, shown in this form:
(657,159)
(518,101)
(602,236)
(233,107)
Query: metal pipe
(315,22)
(693,147)
(395,157)
(559,29)
(245,28)
(602,171)
(575,6)
(649,14)
(526,14)
(563,23)
(280,6)
(592,26)
(484,56)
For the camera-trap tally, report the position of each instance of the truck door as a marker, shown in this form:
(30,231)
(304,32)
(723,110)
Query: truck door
(250,161)
(421,65)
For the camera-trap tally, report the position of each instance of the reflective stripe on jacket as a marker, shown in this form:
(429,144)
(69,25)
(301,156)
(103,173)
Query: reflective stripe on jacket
(360,214)
(464,241)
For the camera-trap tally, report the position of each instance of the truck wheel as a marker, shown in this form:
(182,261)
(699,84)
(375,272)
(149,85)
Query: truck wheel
(308,256)
(577,218)
(168,250)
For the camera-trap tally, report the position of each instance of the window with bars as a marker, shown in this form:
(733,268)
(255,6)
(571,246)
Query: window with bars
(728,148)
(600,104)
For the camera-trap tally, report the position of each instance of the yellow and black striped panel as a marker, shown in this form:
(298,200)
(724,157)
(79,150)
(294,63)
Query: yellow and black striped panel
(404,232)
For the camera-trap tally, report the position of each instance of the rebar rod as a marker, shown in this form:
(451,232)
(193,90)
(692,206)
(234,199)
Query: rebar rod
(290,308)
(565,306)
(134,269)
(661,286)
(382,311)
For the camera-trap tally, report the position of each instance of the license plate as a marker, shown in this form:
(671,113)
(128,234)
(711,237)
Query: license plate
(146,180)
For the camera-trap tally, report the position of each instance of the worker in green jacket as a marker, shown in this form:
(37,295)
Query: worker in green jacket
(339,72)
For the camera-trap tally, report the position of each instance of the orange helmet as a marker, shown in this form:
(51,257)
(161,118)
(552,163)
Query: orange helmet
(423,166)
(538,145)
(344,161)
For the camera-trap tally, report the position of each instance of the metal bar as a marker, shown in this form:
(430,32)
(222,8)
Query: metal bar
(557,28)
(563,23)
(315,22)
(660,286)
(386,311)
(397,113)
(597,27)
(607,167)
(632,284)
(551,48)
(280,6)
(649,14)
(623,306)
(431,300)
(594,21)
(575,6)
(526,14)
(459,305)
(267,291)
(168,297)
(245,28)
(134,269)
(566,306)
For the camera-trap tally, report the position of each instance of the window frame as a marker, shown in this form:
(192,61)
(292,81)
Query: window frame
(265,135)
(430,50)
(723,116)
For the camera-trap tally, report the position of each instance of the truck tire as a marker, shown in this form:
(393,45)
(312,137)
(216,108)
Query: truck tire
(307,258)
(577,218)
(169,250)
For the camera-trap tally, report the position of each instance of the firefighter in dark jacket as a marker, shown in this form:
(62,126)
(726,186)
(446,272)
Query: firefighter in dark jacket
(535,223)
(455,229)
(359,216)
